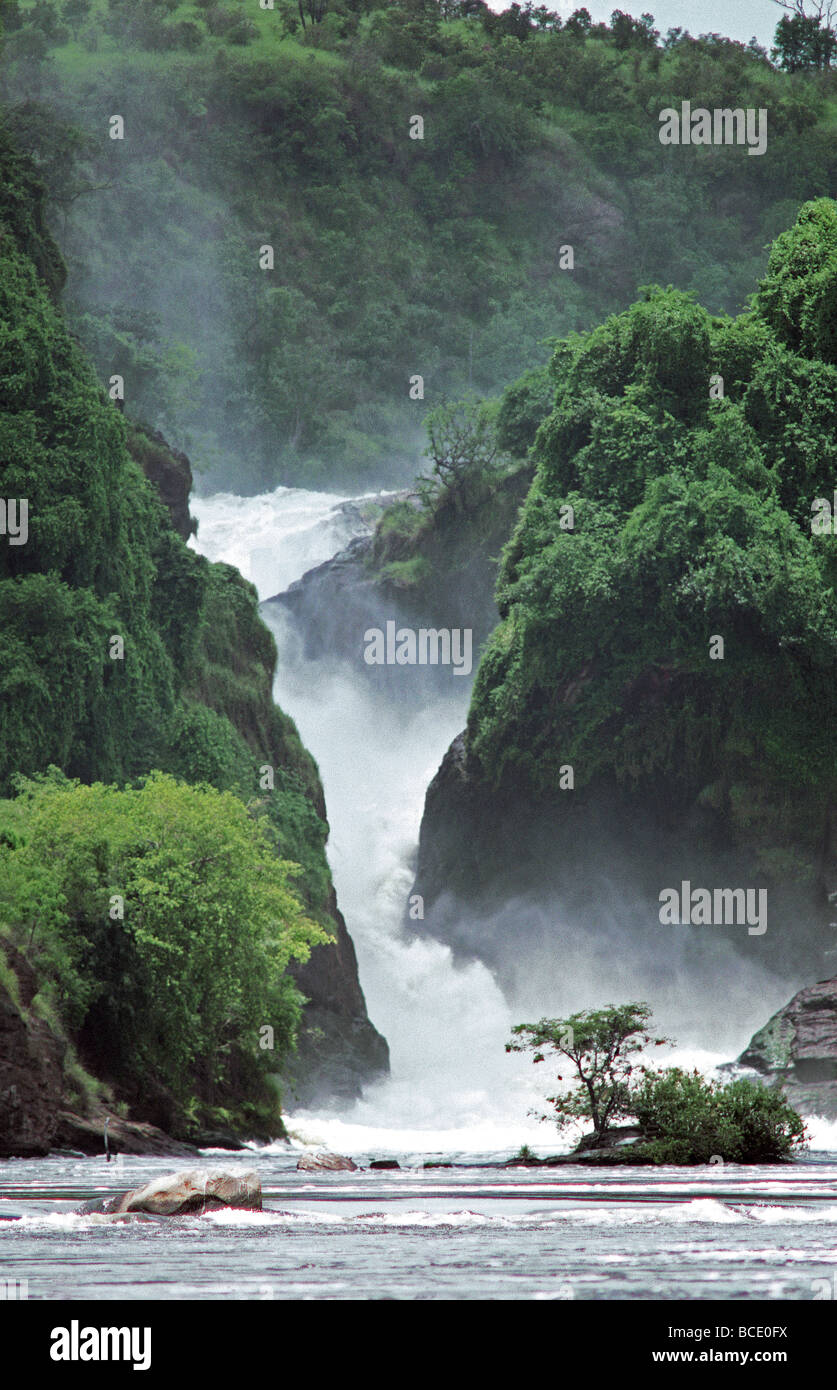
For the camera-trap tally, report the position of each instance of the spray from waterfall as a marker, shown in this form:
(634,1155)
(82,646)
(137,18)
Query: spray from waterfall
(452,1084)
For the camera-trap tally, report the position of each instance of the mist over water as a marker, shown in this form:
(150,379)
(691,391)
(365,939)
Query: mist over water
(446,1024)
(274,537)
(452,1087)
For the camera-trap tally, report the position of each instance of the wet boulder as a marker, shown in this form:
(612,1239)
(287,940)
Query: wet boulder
(184,1194)
(326,1162)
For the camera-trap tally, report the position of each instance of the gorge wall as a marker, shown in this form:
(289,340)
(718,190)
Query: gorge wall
(105,553)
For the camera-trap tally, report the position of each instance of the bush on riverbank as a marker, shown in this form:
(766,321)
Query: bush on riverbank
(682,1117)
(686,1119)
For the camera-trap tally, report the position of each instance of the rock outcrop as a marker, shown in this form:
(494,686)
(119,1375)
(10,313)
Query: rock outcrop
(86,1134)
(797,1048)
(169,470)
(32,1059)
(186,1194)
(326,1163)
(36,1115)
(339,1047)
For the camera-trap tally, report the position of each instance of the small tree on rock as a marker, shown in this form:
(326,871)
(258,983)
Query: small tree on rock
(601,1045)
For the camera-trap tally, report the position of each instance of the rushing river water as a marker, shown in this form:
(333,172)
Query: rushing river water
(745,1233)
(454,1094)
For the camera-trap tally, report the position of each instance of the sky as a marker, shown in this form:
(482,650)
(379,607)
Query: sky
(737,19)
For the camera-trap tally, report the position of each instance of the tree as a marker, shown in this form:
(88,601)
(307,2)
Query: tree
(633,33)
(159,920)
(580,22)
(601,1045)
(804,43)
(465,451)
(75,12)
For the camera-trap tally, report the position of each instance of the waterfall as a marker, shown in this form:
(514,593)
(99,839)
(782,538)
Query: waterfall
(453,1087)
(446,1024)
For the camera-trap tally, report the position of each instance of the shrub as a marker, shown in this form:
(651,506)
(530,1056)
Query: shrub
(686,1119)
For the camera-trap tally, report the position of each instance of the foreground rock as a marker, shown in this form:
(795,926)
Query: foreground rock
(184,1194)
(326,1162)
(797,1048)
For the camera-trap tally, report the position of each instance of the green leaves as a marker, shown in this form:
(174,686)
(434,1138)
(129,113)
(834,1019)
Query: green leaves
(686,1119)
(208,919)
(798,296)
(600,1045)
(692,519)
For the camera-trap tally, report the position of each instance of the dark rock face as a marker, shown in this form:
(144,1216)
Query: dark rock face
(517,881)
(332,605)
(339,1048)
(169,470)
(797,1047)
(617,1148)
(35,1117)
(31,1072)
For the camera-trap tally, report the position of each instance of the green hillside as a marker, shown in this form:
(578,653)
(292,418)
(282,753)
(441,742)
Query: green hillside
(394,257)
(125,652)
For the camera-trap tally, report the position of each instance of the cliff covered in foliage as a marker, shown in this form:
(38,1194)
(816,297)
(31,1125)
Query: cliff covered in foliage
(123,652)
(654,704)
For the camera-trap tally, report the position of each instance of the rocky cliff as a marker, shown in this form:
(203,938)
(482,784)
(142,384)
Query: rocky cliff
(797,1049)
(649,711)
(104,555)
(338,1048)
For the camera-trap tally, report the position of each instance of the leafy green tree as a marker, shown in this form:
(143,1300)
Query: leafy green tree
(602,1046)
(633,33)
(691,510)
(523,407)
(803,42)
(579,23)
(75,13)
(465,452)
(181,977)
(798,296)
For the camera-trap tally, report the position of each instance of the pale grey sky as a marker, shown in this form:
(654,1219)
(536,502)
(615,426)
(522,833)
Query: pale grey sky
(737,19)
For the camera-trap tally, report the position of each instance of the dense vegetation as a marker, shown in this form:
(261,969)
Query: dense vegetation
(680,1117)
(694,519)
(124,651)
(393,256)
(686,1119)
(159,922)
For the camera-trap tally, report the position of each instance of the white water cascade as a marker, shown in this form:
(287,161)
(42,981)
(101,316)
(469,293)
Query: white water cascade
(453,1088)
